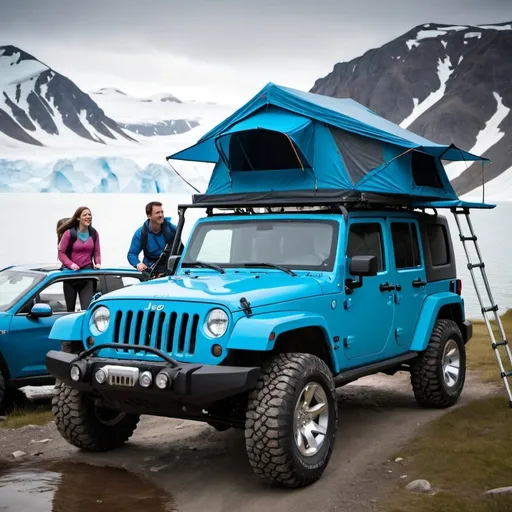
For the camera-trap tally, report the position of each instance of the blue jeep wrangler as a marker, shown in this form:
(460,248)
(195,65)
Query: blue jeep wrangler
(31,300)
(308,271)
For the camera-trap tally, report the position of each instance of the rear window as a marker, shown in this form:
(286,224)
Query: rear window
(405,245)
(438,244)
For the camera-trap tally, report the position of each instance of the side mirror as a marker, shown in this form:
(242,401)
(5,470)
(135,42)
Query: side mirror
(363,266)
(360,266)
(172,263)
(41,311)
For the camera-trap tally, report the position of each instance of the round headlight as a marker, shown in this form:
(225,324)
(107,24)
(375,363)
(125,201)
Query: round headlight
(216,323)
(101,318)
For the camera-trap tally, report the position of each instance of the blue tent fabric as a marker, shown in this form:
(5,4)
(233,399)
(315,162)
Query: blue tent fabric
(332,145)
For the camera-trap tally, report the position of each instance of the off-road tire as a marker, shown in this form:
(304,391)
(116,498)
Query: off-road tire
(269,427)
(77,420)
(430,388)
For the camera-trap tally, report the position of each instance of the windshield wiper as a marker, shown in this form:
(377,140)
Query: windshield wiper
(205,265)
(271,265)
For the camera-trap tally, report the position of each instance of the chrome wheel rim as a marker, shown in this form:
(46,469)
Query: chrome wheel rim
(311,419)
(451,364)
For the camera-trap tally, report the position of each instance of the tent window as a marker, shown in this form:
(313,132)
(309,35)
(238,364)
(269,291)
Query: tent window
(424,171)
(360,154)
(263,150)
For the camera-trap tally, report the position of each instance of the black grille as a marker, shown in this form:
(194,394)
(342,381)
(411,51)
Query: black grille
(172,333)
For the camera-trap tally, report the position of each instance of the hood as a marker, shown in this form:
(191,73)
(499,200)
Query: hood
(259,289)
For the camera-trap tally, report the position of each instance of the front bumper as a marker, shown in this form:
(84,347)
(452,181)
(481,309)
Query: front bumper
(192,384)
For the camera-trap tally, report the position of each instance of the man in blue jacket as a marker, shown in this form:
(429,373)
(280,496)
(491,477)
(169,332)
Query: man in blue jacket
(151,239)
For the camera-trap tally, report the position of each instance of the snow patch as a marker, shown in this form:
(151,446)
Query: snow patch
(411,43)
(498,189)
(469,35)
(444,43)
(496,27)
(456,28)
(429,34)
(443,71)
(460,60)
(488,137)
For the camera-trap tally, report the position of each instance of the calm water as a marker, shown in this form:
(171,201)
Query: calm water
(68,487)
(494,231)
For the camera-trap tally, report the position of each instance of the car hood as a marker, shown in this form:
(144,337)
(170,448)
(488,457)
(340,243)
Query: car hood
(227,289)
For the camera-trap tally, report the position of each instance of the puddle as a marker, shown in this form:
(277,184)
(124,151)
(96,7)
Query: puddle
(70,487)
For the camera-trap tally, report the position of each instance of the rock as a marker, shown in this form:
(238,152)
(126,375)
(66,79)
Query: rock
(499,490)
(399,459)
(403,477)
(18,454)
(42,441)
(156,469)
(3,418)
(419,486)
(36,454)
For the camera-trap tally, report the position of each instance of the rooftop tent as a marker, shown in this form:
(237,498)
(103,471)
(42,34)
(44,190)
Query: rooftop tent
(285,143)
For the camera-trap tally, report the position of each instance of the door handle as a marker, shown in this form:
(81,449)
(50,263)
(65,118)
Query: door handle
(417,283)
(398,287)
(386,287)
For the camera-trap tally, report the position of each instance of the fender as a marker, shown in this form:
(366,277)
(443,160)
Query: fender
(68,328)
(428,317)
(253,333)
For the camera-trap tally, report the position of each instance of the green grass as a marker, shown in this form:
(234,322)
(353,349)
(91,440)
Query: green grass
(19,417)
(481,356)
(466,452)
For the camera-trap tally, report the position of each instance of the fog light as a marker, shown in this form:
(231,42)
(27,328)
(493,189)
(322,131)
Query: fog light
(74,373)
(146,379)
(217,350)
(100,376)
(162,380)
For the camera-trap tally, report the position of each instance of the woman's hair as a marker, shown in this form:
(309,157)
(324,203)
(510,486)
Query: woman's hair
(67,223)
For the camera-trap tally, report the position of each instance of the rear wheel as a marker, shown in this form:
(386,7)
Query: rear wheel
(439,374)
(292,420)
(87,426)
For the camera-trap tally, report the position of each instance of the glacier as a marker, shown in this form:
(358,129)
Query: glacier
(101,174)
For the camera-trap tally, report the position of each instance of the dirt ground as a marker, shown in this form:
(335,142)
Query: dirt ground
(208,470)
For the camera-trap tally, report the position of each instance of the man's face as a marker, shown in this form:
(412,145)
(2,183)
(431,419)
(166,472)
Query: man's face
(157,215)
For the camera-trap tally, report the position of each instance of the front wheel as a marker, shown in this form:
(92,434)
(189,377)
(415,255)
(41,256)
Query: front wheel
(438,375)
(86,426)
(292,420)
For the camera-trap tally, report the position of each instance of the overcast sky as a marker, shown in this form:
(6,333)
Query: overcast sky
(222,51)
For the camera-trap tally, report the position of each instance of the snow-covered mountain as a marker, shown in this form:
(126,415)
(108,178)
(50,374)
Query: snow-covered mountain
(161,114)
(449,83)
(39,105)
(55,137)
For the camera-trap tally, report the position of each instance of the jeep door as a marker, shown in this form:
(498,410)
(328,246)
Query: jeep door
(368,318)
(28,337)
(410,277)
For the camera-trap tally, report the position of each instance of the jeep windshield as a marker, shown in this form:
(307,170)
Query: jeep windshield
(288,244)
(14,284)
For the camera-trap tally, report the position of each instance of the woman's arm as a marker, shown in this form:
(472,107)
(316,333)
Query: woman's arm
(63,245)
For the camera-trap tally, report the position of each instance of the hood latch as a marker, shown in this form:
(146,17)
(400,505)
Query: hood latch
(246,306)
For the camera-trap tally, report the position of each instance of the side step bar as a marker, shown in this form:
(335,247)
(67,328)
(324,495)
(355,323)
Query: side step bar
(356,373)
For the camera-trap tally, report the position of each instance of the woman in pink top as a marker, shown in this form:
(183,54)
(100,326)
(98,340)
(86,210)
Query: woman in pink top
(79,248)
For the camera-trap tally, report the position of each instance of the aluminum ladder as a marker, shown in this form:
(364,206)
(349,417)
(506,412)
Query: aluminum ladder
(492,307)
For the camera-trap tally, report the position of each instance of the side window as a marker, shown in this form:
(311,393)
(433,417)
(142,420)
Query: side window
(53,295)
(438,244)
(365,239)
(216,246)
(405,245)
(117,282)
